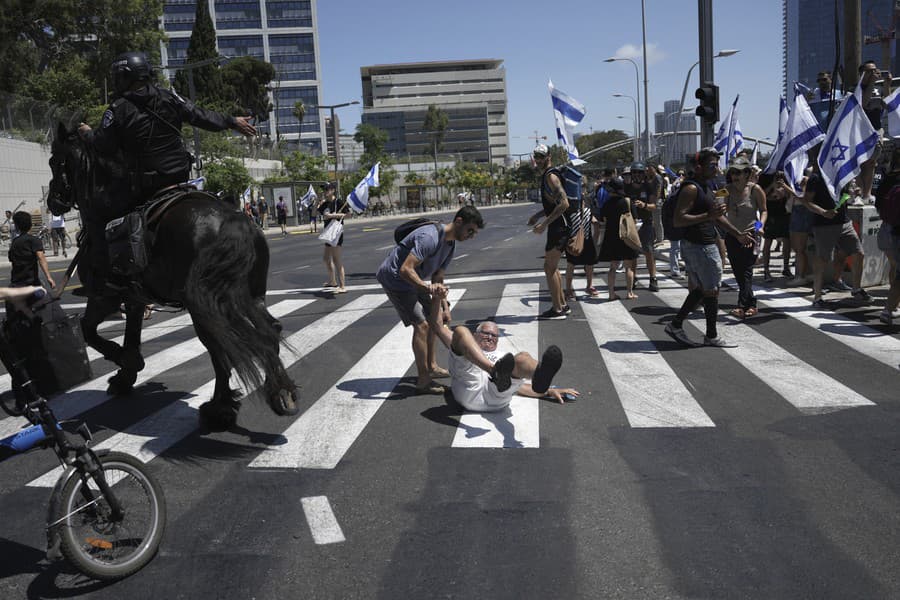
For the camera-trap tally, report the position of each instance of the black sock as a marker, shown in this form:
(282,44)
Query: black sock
(690,303)
(711,310)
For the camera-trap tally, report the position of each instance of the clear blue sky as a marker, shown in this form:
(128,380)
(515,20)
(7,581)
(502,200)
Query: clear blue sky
(537,43)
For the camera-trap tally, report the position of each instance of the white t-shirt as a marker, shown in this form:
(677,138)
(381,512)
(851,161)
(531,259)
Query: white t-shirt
(472,387)
(57,222)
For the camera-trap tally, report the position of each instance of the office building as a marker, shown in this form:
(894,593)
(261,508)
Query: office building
(471,92)
(809,38)
(282,32)
(676,150)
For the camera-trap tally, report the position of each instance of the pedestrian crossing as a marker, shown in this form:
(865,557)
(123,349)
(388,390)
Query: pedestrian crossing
(652,390)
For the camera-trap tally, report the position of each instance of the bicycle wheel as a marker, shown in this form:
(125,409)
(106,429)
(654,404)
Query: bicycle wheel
(95,544)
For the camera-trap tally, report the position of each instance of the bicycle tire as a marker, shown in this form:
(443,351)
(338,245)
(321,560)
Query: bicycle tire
(94,545)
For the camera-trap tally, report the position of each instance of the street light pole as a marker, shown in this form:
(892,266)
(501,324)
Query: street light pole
(687,79)
(634,123)
(334,138)
(646,100)
(637,84)
(705,27)
(635,151)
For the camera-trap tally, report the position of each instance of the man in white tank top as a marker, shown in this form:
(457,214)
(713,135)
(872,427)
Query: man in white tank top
(485,380)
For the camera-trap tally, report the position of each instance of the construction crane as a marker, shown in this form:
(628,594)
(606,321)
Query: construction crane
(885,35)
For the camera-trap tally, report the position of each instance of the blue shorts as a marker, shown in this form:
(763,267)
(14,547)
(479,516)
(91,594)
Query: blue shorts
(703,263)
(647,235)
(801,219)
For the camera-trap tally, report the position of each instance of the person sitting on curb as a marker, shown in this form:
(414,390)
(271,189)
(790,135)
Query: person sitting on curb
(484,381)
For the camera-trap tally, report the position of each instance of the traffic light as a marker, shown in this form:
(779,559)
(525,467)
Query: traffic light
(708,95)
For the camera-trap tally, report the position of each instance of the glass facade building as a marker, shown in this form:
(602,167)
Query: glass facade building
(471,92)
(281,32)
(809,38)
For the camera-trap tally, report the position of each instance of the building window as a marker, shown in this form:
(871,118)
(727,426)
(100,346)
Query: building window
(237,14)
(284,110)
(177,51)
(293,56)
(234,47)
(288,14)
(179,16)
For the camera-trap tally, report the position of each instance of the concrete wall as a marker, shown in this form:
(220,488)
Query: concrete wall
(24,173)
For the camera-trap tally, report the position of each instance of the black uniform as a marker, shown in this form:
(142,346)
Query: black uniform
(141,131)
(144,128)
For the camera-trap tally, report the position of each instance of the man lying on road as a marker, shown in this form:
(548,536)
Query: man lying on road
(483,381)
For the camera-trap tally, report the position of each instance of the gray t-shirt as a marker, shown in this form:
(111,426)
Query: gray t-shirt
(425,243)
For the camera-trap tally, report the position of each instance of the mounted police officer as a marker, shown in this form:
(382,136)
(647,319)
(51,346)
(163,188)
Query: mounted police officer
(141,131)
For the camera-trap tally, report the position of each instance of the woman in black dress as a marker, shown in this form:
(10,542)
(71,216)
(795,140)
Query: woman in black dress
(613,248)
(777,227)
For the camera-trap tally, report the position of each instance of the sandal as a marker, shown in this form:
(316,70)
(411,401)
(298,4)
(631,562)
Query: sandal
(592,291)
(329,284)
(751,312)
(431,388)
(570,295)
(738,312)
(439,372)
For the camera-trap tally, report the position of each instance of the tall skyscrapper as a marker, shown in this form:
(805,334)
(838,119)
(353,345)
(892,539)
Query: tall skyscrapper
(676,150)
(809,38)
(471,92)
(282,32)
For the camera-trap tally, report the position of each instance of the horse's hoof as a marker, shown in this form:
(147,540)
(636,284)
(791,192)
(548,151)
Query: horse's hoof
(216,417)
(285,402)
(121,384)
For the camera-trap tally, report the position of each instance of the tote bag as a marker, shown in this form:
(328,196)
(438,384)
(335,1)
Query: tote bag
(331,234)
(628,232)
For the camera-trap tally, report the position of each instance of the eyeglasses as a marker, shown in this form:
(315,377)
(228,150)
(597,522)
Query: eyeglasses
(489,334)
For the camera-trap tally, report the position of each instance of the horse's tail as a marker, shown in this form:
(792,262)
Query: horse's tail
(237,328)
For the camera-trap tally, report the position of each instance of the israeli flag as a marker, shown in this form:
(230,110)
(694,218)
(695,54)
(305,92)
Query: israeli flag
(802,132)
(783,114)
(245,197)
(568,113)
(849,143)
(892,106)
(309,197)
(358,199)
(198,183)
(729,139)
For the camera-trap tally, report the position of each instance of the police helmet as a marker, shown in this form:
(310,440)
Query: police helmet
(129,68)
(638,166)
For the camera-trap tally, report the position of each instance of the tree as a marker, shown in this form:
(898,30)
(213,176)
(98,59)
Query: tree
(228,176)
(208,88)
(436,121)
(66,85)
(299,110)
(306,167)
(620,155)
(246,81)
(373,140)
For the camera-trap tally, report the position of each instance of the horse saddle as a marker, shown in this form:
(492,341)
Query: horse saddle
(130,237)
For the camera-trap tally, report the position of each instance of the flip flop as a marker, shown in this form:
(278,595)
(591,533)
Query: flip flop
(439,372)
(551,361)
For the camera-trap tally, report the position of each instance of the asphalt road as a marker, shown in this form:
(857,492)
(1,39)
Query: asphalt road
(767,471)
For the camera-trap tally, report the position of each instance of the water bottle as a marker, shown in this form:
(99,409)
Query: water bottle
(27,439)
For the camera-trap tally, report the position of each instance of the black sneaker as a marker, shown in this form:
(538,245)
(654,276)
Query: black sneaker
(550,363)
(678,334)
(502,370)
(819,304)
(552,313)
(861,296)
(653,287)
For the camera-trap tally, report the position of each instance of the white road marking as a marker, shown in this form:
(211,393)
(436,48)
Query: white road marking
(650,392)
(517,426)
(460,256)
(322,523)
(798,382)
(323,434)
(153,435)
(386,247)
(151,332)
(93,393)
(452,281)
(871,342)
(507,239)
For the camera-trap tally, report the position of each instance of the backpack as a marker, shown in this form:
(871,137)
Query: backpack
(889,208)
(407,227)
(670,231)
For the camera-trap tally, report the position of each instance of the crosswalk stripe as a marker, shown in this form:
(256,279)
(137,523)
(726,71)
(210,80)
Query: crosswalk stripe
(649,391)
(798,382)
(324,432)
(93,393)
(519,424)
(875,344)
(164,428)
(149,333)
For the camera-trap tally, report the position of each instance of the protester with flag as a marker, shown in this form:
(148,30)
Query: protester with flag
(333,214)
(872,106)
(309,202)
(849,143)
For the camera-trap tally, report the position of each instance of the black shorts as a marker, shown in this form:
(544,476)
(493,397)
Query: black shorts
(282,219)
(557,236)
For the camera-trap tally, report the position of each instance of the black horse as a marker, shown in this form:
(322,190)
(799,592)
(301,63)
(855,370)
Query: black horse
(204,256)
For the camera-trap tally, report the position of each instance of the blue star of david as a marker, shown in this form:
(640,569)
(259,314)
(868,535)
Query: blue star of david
(838,152)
